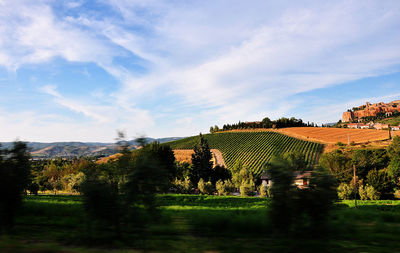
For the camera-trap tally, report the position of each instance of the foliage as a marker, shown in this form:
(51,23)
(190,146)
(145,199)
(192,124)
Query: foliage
(14,178)
(253,149)
(345,191)
(201,161)
(220,173)
(182,186)
(362,192)
(394,169)
(339,164)
(397,194)
(369,159)
(293,210)
(381,181)
(115,192)
(394,147)
(263,189)
(265,123)
(205,187)
(372,194)
(243,179)
(220,187)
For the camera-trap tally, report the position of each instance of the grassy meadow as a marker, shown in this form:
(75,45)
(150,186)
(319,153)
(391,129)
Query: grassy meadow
(196,223)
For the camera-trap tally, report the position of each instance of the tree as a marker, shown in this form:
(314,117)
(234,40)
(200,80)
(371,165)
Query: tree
(201,161)
(14,179)
(381,181)
(339,164)
(394,148)
(294,210)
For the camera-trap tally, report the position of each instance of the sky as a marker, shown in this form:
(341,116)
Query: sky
(81,70)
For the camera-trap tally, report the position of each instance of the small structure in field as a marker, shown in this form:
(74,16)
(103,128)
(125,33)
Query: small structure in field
(301,179)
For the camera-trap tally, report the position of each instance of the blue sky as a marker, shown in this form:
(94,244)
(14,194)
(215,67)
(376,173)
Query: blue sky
(81,70)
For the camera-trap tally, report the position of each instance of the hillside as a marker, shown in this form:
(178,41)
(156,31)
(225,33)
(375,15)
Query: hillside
(78,149)
(334,135)
(393,121)
(254,149)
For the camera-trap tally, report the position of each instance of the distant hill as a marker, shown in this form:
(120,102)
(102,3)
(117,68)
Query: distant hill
(393,121)
(253,148)
(79,149)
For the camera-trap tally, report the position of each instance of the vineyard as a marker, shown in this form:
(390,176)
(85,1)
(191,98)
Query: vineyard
(253,149)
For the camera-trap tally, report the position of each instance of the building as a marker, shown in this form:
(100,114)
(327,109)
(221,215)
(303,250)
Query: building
(369,109)
(301,179)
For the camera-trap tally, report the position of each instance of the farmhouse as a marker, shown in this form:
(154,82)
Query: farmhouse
(301,179)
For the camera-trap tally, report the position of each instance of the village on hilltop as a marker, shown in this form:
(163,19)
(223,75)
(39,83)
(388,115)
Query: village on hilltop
(363,117)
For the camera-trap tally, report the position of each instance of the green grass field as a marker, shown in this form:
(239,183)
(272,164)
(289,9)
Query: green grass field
(195,223)
(253,149)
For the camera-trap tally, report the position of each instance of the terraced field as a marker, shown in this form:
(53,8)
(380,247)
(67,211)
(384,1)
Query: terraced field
(254,149)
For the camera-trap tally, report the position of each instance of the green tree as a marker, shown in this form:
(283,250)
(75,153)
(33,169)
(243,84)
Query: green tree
(201,161)
(380,181)
(394,148)
(339,164)
(14,179)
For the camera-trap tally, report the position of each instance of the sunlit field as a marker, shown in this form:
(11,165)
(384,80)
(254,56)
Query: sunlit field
(196,223)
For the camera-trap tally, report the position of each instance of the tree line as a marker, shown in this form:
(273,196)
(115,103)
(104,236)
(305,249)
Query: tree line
(265,123)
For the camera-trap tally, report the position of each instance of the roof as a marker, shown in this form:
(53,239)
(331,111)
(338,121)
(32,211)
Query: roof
(297,175)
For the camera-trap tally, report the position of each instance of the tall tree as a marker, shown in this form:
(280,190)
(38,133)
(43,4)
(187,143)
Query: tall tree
(201,160)
(14,177)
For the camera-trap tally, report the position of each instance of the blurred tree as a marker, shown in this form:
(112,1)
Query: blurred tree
(14,179)
(201,161)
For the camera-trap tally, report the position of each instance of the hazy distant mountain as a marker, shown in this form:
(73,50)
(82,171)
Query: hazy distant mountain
(78,149)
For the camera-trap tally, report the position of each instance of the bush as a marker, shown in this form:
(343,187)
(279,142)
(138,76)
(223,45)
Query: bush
(182,186)
(247,188)
(345,191)
(380,181)
(229,187)
(219,185)
(362,192)
(205,187)
(371,192)
(397,194)
(263,189)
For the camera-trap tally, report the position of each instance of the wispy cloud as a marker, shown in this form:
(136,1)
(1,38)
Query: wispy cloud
(219,62)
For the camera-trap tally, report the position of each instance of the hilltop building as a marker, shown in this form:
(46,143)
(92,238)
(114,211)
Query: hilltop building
(357,113)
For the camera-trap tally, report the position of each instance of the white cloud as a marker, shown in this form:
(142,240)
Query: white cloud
(228,60)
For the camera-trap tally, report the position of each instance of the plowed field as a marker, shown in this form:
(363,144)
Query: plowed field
(334,135)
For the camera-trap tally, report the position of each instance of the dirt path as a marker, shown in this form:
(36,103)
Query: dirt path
(219,159)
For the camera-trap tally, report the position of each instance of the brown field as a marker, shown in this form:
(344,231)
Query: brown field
(185,155)
(331,136)
(335,135)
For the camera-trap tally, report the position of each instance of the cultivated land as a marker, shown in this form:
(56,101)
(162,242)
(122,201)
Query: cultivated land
(327,135)
(253,149)
(195,223)
(185,155)
(334,135)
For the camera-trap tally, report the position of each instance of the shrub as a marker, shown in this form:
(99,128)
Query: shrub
(201,185)
(263,189)
(247,188)
(219,185)
(340,144)
(362,192)
(371,192)
(229,187)
(397,194)
(345,191)
(182,186)
(380,181)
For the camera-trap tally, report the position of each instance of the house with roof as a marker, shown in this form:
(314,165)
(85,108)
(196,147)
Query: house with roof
(301,179)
